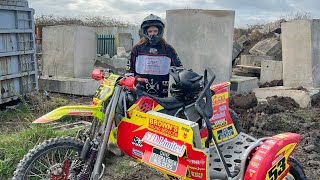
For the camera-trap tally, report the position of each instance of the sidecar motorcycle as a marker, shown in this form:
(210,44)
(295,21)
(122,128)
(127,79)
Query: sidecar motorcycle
(192,135)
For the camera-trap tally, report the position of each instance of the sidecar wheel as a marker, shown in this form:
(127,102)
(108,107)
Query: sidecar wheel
(37,162)
(235,120)
(296,171)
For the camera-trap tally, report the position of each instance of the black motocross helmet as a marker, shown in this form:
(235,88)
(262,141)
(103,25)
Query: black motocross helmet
(152,20)
(187,85)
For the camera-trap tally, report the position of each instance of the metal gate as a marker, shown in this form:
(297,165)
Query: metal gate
(106,44)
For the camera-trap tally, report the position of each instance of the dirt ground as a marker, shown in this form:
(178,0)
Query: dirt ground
(271,117)
(268,118)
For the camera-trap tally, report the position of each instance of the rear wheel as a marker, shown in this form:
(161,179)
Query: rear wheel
(49,160)
(296,171)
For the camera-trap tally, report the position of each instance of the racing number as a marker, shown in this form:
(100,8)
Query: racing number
(98,91)
(277,169)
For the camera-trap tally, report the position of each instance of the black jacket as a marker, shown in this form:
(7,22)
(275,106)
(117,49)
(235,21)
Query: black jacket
(153,62)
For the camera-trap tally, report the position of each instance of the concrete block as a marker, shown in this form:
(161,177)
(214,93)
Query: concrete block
(242,39)
(68,51)
(202,38)
(116,65)
(242,84)
(253,60)
(124,40)
(302,97)
(66,85)
(271,70)
(270,47)
(301,53)
(273,26)
(237,49)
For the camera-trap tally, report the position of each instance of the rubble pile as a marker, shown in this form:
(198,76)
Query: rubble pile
(117,64)
(256,50)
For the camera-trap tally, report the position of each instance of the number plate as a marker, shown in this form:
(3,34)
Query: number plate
(164,159)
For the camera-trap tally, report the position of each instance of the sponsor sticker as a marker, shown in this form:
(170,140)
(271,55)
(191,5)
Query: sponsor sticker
(196,174)
(219,123)
(163,127)
(164,143)
(196,162)
(218,116)
(164,159)
(137,153)
(225,132)
(184,129)
(137,141)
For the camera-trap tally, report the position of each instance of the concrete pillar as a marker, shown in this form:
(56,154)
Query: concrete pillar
(123,40)
(68,51)
(301,53)
(202,38)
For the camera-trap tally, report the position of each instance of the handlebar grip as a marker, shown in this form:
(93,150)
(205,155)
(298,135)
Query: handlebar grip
(142,80)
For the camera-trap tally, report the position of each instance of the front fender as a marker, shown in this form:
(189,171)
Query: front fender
(270,161)
(80,110)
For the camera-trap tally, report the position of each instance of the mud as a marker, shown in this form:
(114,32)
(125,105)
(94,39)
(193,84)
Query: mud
(282,114)
(276,115)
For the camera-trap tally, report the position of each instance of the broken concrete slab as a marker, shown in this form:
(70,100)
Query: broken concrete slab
(301,53)
(270,47)
(242,84)
(115,64)
(66,85)
(302,97)
(250,69)
(274,26)
(253,60)
(237,49)
(271,70)
(241,40)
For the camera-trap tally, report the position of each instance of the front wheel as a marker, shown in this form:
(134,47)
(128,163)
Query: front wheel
(49,160)
(296,171)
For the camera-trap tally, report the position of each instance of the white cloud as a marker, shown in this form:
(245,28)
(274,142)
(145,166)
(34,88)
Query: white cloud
(135,10)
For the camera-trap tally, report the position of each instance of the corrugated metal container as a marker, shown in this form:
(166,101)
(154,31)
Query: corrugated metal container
(18,66)
(21,3)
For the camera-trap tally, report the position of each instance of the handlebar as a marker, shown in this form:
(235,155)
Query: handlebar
(204,104)
(130,82)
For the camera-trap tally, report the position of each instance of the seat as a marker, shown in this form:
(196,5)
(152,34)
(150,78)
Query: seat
(168,103)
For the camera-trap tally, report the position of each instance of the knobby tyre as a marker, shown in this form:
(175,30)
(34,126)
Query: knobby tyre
(36,163)
(296,171)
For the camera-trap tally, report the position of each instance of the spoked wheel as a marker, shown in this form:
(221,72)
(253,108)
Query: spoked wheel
(296,171)
(52,159)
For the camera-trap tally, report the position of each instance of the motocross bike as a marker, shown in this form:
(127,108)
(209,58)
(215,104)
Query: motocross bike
(198,139)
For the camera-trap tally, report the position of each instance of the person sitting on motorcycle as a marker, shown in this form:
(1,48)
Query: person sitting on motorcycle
(152,57)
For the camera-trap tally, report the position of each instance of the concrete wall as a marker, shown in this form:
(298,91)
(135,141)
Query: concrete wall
(68,51)
(301,53)
(124,40)
(202,38)
(84,52)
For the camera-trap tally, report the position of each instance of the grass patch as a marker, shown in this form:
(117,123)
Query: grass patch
(15,146)
(18,135)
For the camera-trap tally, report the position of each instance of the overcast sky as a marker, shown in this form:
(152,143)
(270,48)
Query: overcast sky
(133,11)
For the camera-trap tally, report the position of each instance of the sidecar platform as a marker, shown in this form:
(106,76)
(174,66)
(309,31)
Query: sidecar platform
(233,151)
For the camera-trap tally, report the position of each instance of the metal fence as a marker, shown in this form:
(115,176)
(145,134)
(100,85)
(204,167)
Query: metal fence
(106,44)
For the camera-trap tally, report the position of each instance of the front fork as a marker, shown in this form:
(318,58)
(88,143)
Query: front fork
(108,120)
